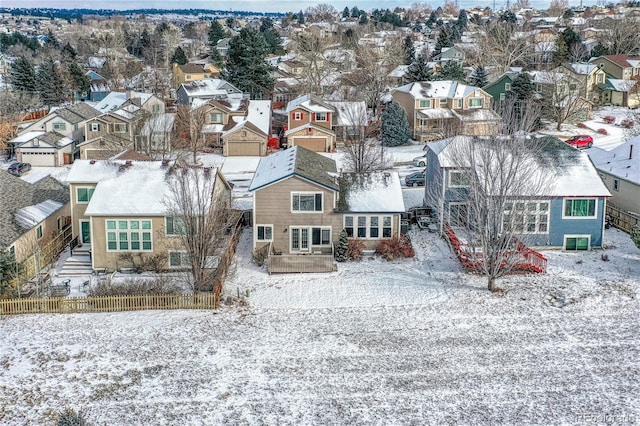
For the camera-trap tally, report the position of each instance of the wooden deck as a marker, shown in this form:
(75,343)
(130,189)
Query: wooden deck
(285,264)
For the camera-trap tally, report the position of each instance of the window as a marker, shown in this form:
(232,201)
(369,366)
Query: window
(321,116)
(216,117)
(39,232)
(527,217)
(298,116)
(264,232)
(599,79)
(476,102)
(306,202)
(443,101)
(425,103)
(457,180)
(84,194)
(503,96)
(129,235)
(584,208)
(616,184)
(155,108)
(179,259)
(119,127)
(299,239)
(372,227)
(458,215)
(507,87)
(59,126)
(577,242)
(187,77)
(174,225)
(95,127)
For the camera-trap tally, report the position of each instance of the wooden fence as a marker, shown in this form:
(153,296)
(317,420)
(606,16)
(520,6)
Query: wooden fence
(108,304)
(621,219)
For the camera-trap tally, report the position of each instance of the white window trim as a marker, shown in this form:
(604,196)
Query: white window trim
(537,213)
(449,213)
(324,119)
(449,184)
(587,236)
(116,126)
(595,209)
(128,231)
(368,226)
(59,124)
(476,106)
(306,211)
(181,266)
(265,226)
(427,101)
(95,127)
(297,116)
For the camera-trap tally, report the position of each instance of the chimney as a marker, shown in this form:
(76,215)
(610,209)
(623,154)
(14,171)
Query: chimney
(129,93)
(165,163)
(128,162)
(630,151)
(207,171)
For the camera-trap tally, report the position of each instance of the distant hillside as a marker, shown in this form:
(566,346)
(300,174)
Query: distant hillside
(78,13)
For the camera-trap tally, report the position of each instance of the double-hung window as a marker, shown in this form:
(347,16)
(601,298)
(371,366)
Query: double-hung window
(369,227)
(425,103)
(84,194)
(174,226)
(321,116)
(476,102)
(579,208)
(179,259)
(264,232)
(306,202)
(216,117)
(457,179)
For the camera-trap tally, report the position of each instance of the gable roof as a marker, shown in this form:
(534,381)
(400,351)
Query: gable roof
(296,161)
(208,87)
(622,161)
(115,100)
(573,172)
(21,202)
(191,68)
(622,60)
(309,102)
(437,89)
(77,112)
(378,192)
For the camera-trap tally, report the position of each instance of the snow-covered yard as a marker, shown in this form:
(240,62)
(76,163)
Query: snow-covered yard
(409,342)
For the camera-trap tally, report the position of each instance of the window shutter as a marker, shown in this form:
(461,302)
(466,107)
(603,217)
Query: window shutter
(301,116)
(313,116)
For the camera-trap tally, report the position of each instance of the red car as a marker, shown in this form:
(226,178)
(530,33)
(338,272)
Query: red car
(580,141)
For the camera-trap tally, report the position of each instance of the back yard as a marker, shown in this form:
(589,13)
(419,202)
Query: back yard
(409,342)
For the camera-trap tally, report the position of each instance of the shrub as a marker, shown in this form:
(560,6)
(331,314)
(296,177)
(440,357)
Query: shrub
(134,286)
(71,417)
(396,248)
(581,125)
(608,119)
(356,247)
(343,247)
(603,131)
(627,123)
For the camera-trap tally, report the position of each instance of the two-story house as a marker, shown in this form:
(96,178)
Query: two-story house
(350,120)
(500,88)
(622,67)
(301,205)
(591,76)
(566,212)
(43,149)
(122,208)
(210,88)
(193,72)
(445,108)
(310,124)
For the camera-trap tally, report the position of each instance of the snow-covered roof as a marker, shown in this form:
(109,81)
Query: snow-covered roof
(582,69)
(623,161)
(30,216)
(437,89)
(206,87)
(350,113)
(374,193)
(296,161)
(570,171)
(621,85)
(309,125)
(308,102)
(25,137)
(435,113)
(115,99)
(132,188)
(259,114)
(159,123)
(399,71)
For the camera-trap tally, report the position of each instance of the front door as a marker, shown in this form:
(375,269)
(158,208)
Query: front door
(85,232)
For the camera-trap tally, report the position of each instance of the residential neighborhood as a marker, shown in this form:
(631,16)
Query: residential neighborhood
(312,214)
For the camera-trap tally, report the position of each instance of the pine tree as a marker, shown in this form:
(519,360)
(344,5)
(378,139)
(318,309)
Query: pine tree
(433,18)
(23,76)
(216,32)
(68,52)
(443,40)
(561,54)
(80,81)
(355,12)
(419,69)
(271,37)
(342,247)
(394,129)
(179,57)
(409,50)
(345,12)
(50,83)
(462,19)
(300,18)
(9,270)
(599,50)
(451,70)
(246,68)
(364,20)
(522,87)
(478,77)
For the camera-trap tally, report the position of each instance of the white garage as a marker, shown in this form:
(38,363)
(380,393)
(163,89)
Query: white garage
(38,158)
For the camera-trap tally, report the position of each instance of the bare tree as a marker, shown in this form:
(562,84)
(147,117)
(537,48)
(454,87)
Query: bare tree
(311,48)
(557,7)
(322,12)
(497,182)
(200,207)
(622,36)
(563,97)
(519,117)
(189,124)
(503,45)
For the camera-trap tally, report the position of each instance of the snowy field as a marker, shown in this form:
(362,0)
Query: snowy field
(408,342)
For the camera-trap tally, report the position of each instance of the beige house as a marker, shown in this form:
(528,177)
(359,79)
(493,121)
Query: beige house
(68,121)
(193,72)
(437,109)
(590,75)
(310,124)
(43,149)
(121,209)
(301,205)
(31,214)
(622,67)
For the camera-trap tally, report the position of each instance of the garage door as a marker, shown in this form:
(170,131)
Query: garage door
(243,148)
(40,159)
(314,144)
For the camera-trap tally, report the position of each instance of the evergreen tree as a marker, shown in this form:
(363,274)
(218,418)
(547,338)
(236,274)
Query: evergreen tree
(599,50)
(8,271)
(216,32)
(509,17)
(522,87)
(355,12)
(179,57)
(478,77)
(561,54)
(443,40)
(451,70)
(433,18)
(271,37)
(23,76)
(409,50)
(364,20)
(300,18)
(462,19)
(394,129)
(68,52)
(80,82)
(246,68)
(342,247)
(50,83)
(345,12)
(419,69)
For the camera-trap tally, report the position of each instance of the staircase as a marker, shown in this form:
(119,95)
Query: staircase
(78,264)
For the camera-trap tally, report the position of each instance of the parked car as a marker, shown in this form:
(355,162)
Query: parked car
(580,141)
(18,169)
(420,161)
(415,179)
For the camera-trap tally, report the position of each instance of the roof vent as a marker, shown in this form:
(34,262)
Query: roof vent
(92,162)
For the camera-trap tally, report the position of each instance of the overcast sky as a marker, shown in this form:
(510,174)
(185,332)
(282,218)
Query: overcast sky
(255,5)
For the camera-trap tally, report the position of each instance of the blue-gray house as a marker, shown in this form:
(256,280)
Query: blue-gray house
(566,211)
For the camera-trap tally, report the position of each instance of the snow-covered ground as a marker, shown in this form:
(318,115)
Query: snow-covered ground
(415,341)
